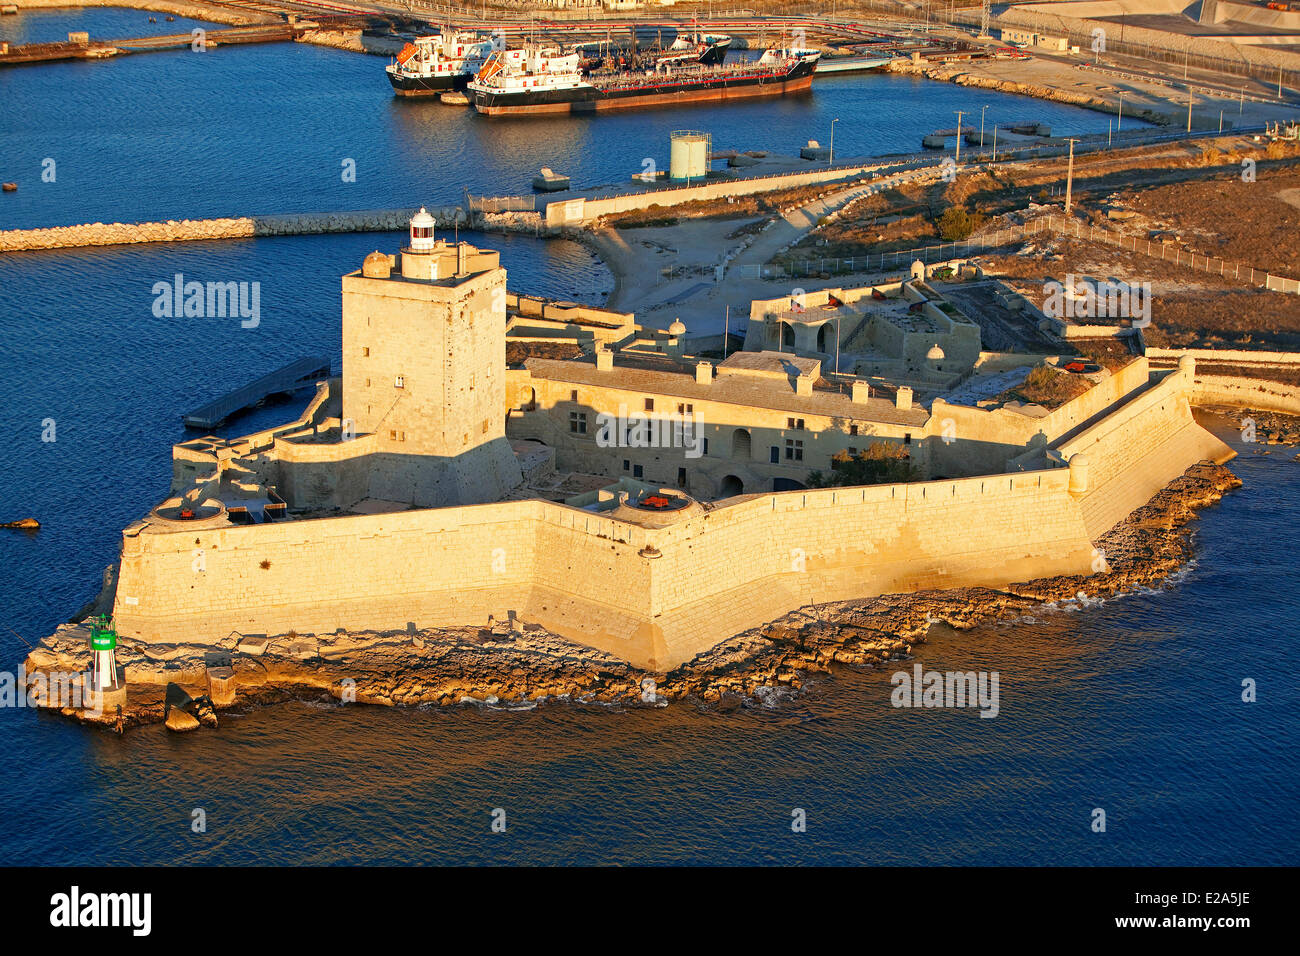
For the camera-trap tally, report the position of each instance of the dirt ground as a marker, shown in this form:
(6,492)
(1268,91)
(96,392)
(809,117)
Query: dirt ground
(1254,223)
(1186,182)
(1189,309)
(517,350)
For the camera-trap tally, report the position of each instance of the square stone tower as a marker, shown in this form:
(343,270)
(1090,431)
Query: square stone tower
(424,355)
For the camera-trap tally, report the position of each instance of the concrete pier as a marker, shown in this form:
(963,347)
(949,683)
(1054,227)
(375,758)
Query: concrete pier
(303,373)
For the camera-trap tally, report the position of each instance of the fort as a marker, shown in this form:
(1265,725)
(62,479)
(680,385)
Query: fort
(432,485)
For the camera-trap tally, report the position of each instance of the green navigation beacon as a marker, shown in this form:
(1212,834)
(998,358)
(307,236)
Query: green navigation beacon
(103,645)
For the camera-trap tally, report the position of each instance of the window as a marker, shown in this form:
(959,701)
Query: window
(627,465)
(365,351)
(367,383)
(681,477)
(706,446)
(397,436)
(776,455)
(795,423)
(573,395)
(637,471)
(649,404)
(907,439)
(853,429)
(853,452)
(793,450)
(578,423)
(685,408)
(400,382)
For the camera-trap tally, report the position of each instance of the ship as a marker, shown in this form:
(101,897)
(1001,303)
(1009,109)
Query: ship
(709,47)
(546,80)
(438,63)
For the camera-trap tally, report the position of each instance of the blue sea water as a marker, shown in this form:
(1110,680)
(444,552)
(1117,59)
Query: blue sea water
(102,23)
(1132,706)
(251,130)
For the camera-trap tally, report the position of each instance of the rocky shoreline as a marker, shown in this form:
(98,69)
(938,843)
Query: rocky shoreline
(520,665)
(1270,428)
(963,76)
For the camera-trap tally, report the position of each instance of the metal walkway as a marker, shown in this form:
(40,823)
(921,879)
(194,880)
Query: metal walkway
(303,373)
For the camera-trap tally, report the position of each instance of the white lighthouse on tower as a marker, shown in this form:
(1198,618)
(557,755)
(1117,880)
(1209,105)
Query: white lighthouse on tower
(422,232)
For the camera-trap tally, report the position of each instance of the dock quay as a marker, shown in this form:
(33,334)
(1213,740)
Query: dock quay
(299,374)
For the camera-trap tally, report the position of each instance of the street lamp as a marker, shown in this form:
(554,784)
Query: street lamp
(830,158)
(982,109)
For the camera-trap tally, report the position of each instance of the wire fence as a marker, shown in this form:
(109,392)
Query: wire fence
(481,204)
(1265,66)
(987,242)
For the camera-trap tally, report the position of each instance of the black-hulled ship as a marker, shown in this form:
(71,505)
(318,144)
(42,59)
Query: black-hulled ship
(548,81)
(437,64)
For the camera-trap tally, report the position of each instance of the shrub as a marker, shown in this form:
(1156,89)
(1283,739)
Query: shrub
(880,463)
(957,224)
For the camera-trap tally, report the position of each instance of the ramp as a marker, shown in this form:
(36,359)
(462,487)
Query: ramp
(302,373)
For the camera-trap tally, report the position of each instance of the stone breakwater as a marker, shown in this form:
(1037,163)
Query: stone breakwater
(352,40)
(194,230)
(515,664)
(963,77)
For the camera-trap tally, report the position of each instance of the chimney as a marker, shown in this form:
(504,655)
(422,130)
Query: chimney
(904,399)
(861,392)
(461,259)
(604,359)
(803,385)
(703,373)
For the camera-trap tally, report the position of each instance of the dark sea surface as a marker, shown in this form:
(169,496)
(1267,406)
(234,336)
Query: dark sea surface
(1132,706)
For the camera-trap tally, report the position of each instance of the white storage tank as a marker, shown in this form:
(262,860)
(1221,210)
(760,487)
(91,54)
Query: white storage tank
(688,155)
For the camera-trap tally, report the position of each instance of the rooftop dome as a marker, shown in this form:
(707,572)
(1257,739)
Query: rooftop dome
(677,328)
(376,266)
(935,354)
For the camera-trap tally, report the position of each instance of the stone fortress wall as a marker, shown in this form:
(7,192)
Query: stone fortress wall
(658,596)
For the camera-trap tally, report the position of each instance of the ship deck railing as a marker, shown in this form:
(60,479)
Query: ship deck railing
(698,75)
